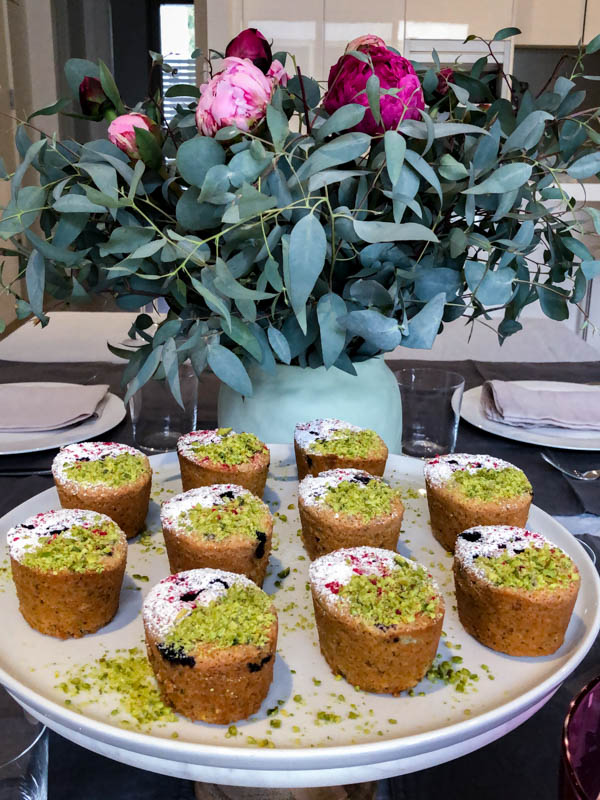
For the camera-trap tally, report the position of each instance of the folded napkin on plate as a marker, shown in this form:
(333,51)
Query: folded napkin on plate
(46,407)
(511,404)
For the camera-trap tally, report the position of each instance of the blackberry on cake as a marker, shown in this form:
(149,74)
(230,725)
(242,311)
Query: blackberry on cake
(223,456)
(107,477)
(466,490)
(222,526)
(68,567)
(211,637)
(348,508)
(379,617)
(325,444)
(515,590)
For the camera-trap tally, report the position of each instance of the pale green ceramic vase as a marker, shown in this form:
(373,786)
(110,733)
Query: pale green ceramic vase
(370,399)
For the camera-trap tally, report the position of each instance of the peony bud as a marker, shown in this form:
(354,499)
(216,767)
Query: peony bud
(121,132)
(348,81)
(238,95)
(445,76)
(364,43)
(277,74)
(251,44)
(92,97)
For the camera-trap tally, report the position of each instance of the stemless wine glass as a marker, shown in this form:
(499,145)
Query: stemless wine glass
(431,400)
(23,753)
(580,756)
(157,419)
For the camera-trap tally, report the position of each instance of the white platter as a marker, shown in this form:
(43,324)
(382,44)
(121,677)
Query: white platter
(392,734)
(110,412)
(549,437)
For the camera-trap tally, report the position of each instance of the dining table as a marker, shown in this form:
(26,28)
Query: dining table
(521,764)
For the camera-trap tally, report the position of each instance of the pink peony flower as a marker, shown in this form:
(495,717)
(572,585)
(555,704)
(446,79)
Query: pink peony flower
(91,97)
(348,80)
(365,43)
(277,74)
(238,95)
(251,44)
(121,131)
(445,76)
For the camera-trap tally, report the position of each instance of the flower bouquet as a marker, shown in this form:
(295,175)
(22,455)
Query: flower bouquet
(281,221)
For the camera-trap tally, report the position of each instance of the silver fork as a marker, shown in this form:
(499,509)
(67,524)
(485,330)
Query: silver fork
(587,475)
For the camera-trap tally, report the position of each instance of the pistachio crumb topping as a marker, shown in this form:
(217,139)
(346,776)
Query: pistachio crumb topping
(364,501)
(232,449)
(80,548)
(490,484)
(387,600)
(444,671)
(348,443)
(240,616)
(110,471)
(127,674)
(533,569)
(243,516)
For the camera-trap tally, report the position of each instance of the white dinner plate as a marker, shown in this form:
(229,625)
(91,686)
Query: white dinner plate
(109,413)
(371,734)
(549,437)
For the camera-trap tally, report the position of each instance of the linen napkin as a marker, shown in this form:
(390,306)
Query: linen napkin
(46,407)
(577,409)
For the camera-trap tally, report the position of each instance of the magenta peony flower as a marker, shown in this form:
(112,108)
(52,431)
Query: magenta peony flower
(121,131)
(91,97)
(238,95)
(365,43)
(251,44)
(348,81)
(445,76)
(278,74)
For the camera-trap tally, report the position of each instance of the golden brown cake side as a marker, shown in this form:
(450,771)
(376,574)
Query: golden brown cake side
(60,601)
(223,685)
(379,617)
(197,452)
(465,490)
(515,590)
(126,503)
(310,461)
(324,530)
(211,637)
(451,514)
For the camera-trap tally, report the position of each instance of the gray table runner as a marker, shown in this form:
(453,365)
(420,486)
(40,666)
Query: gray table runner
(553,492)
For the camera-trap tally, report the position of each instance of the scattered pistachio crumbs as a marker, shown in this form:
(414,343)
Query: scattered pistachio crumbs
(460,678)
(110,471)
(233,449)
(366,502)
(243,515)
(534,568)
(84,549)
(241,616)
(127,674)
(391,599)
(490,484)
(150,544)
(344,442)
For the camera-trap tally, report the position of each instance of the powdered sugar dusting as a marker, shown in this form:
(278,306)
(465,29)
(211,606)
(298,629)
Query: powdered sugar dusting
(306,433)
(312,489)
(205,496)
(185,443)
(439,470)
(87,451)
(164,606)
(26,537)
(495,541)
(329,573)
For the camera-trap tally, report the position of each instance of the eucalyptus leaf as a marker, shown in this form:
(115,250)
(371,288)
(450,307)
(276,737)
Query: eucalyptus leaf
(504,179)
(330,309)
(196,156)
(423,327)
(229,369)
(308,246)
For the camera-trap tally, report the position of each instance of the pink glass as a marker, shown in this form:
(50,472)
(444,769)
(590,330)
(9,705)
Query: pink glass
(580,757)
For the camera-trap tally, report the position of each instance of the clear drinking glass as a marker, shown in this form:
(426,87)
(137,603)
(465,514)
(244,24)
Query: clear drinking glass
(23,753)
(157,419)
(580,756)
(431,400)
